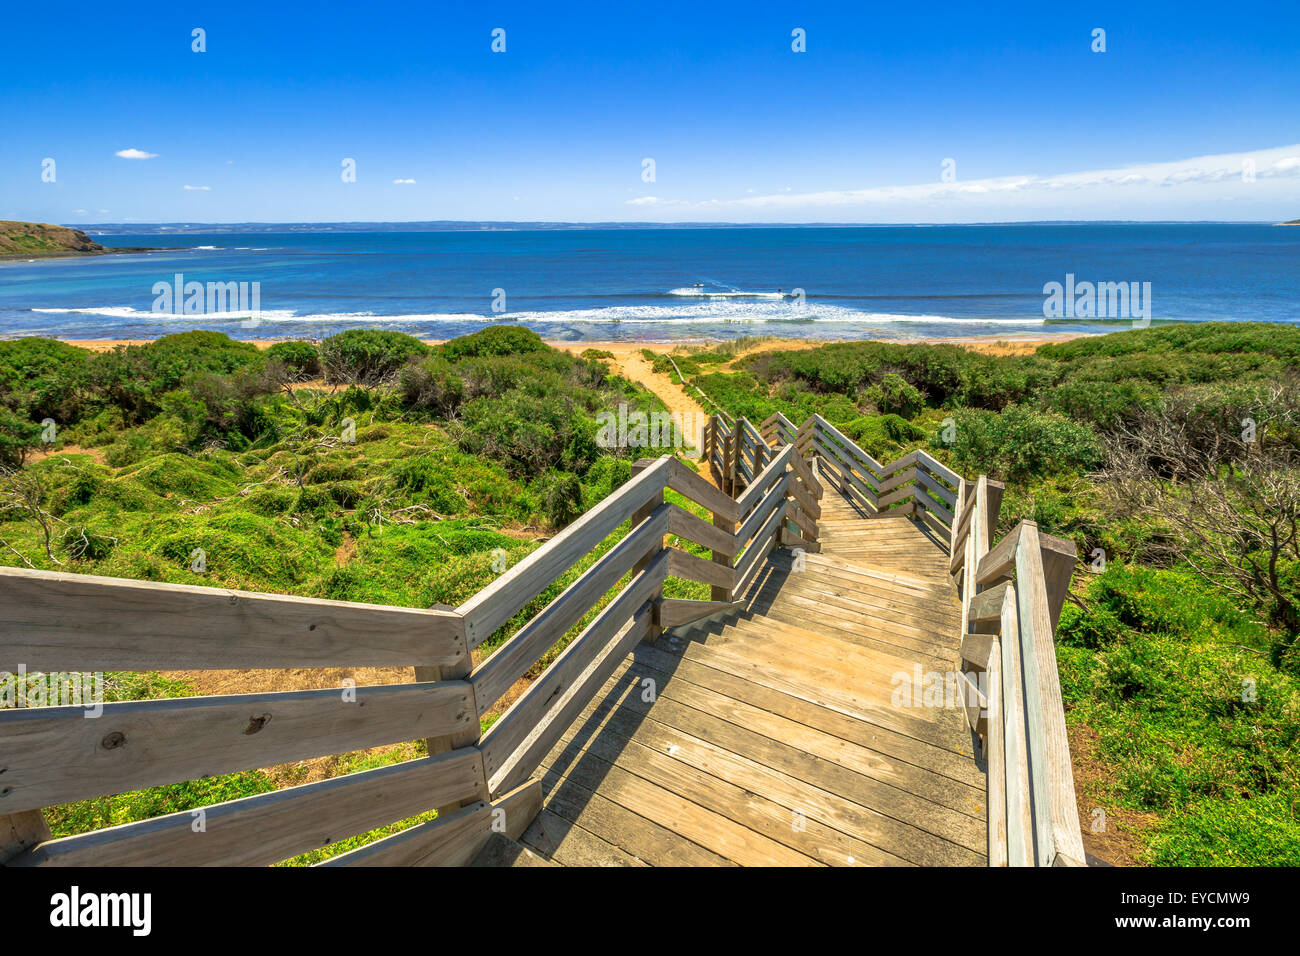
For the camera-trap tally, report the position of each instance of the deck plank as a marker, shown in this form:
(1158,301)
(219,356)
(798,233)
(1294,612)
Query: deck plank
(773,736)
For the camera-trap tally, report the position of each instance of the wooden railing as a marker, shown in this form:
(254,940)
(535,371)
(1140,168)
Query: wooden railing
(479,783)
(1012,594)
(771,480)
(916,484)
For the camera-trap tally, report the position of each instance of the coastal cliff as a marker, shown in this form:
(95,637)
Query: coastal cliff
(38,240)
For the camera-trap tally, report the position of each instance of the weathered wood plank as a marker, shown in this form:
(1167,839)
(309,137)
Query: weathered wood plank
(454,838)
(575,797)
(897,495)
(20,832)
(684,524)
(688,566)
(674,612)
(494,676)
(941,470)
(1020,825)
(54,621)
(939,493)
(987,605)
(976,648)
(54,755)
(898,479)
(1056,816)
(686,482)
(907,461)
(758,488)
(1001,559)
(849,444)
(760,546)
(1059,557)
(567,844)
(851,472)
(501,600)
(269,827)
(905,751)
(995,761)
(757,518)
(525,717)
(721,781)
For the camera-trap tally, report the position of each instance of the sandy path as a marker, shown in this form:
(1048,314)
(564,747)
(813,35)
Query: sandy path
(629,363)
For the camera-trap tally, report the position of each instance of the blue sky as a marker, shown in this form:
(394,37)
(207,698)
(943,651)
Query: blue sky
(740,127)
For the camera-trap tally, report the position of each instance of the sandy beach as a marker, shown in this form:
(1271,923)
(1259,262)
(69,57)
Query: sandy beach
(621,350)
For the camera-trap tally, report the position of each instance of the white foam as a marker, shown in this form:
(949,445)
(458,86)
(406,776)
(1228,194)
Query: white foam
(695,314)
(701,292)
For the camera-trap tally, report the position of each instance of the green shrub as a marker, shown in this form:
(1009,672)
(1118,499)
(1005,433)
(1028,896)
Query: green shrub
(894,395)
(18,435)
(1018,444)
(560,494)
(494,340)
(367,356)
(429,480)
(300,358)
(883,436)
(432,386)
(43,378)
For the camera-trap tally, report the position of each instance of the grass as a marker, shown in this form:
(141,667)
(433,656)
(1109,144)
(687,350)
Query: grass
(464,453)
(205,474)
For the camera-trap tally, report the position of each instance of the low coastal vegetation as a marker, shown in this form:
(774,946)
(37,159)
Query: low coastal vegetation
(371,467)
(374,467)
(1171,457)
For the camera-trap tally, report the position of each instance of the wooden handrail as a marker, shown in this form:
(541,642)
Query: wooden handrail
(1010,603)
(502,599)
(56,621)
(768,494)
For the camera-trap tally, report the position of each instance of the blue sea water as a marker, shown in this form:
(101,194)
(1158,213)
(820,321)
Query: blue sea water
(663,284)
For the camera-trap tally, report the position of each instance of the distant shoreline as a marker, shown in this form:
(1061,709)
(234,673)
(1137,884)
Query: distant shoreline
(75,254)
(987,345)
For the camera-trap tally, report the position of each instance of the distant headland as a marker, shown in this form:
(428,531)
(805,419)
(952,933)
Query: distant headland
(38,240)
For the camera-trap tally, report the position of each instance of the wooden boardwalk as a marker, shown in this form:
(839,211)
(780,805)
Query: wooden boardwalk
(768,737)
(791,719)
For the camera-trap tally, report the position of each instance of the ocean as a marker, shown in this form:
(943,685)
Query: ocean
(662,284)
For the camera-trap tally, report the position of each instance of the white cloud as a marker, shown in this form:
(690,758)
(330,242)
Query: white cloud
(1203,178)
(656,201)
(80,212)
(206,189)
(134,154)
(403,182)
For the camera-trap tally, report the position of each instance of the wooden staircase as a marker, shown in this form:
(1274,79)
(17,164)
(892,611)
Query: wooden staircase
(871,682)
(772,738)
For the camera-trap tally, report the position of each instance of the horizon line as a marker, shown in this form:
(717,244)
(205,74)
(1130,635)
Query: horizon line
(641,223)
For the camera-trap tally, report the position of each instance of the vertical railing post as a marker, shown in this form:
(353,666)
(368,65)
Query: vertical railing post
(438,745)
(637,517)
(737,452)
(21,831)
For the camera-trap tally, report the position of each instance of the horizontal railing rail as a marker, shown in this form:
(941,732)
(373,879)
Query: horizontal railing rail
(54,621)
(768,491)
